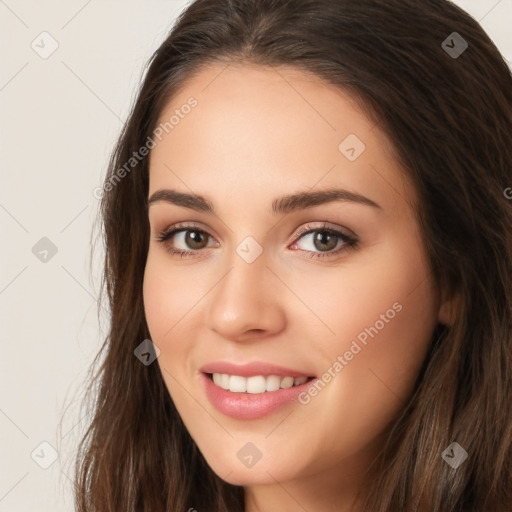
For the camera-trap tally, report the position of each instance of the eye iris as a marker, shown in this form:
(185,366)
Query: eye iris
(192,238)
(326,239)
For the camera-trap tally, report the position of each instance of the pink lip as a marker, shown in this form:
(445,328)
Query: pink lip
(247,406)
(251,369)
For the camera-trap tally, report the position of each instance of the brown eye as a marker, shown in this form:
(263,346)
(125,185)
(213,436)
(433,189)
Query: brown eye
(195,239)
(186,241)
(325,240)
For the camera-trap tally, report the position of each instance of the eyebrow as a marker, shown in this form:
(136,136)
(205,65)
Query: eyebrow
(282,205)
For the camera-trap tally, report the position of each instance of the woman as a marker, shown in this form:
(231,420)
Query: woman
(308,263)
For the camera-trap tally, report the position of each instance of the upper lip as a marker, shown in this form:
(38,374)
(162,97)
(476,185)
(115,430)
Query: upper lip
(251,369)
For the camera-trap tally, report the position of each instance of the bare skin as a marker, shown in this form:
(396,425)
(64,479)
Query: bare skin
(255,135)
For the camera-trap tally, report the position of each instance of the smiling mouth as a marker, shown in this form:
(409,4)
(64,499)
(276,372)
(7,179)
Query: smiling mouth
(257,383)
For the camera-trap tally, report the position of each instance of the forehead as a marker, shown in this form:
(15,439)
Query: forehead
(254,129)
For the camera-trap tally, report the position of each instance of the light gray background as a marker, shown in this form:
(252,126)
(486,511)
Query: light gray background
(60,117)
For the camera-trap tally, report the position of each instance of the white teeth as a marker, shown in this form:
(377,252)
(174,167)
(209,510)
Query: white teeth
(287,382)
(224,381)
(237,384)
(255,384)
(273,383)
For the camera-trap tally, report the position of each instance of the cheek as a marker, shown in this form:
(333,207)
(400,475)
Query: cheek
(166,300)
(385,294)
(169,292)
(383,318)
(159,304)
(380,309)
(173,297)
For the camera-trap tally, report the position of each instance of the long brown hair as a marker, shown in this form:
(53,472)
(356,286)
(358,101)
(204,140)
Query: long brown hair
(449,116)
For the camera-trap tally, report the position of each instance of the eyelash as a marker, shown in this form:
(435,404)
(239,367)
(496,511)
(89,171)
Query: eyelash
(349,241)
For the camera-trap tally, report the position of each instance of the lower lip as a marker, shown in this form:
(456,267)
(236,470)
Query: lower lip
(250,406)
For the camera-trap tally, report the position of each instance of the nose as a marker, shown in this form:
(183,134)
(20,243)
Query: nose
(247,301)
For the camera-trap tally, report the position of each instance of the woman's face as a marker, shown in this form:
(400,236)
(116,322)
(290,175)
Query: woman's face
(335,287)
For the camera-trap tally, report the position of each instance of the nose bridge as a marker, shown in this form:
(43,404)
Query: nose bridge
(248,273)
(245,298)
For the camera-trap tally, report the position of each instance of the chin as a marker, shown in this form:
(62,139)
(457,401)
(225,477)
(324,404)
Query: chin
(260,474)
